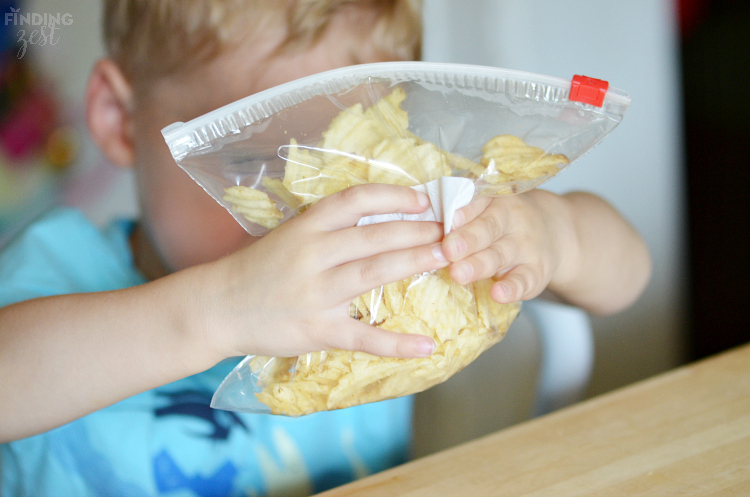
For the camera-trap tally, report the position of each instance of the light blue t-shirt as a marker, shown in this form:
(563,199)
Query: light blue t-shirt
(168,441)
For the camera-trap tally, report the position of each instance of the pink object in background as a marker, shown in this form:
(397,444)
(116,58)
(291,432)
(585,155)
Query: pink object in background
(27,126)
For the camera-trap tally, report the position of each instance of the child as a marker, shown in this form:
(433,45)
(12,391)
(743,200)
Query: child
(124,334)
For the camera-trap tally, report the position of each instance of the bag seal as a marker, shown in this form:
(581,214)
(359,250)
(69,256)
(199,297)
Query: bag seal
(183,138)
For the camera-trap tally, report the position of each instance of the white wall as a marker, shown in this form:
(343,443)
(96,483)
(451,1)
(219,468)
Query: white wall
(638,168)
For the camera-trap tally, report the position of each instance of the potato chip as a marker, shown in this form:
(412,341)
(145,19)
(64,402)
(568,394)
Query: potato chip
(508,158)
(365,146)
(254,205)
(313,173)
(374,145)
(464,323)
(276,187)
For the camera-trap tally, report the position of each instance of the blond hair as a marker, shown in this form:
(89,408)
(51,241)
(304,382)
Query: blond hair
(151,38)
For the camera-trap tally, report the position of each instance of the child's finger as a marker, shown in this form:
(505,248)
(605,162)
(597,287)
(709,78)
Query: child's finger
(355,335)
(345,208)
(355,278)
(469,212)
(496,259)
(520,283)
(474,237)
(364,241)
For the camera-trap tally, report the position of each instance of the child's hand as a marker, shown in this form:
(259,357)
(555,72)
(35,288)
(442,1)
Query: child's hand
(576,245)
(514,240)
(289,292)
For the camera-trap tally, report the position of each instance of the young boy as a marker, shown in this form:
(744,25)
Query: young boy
(125,334)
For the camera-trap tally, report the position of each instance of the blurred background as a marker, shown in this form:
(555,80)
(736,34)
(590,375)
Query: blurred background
(675,168)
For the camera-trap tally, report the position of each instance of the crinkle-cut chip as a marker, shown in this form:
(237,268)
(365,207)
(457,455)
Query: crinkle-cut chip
(482,295)
(358,131)
(514,167)
(302,174)
(372,307)
(429,301)
(360,362)
(352,378)
(270,370)
(250,204)
(394,383)
(310,362)
(463,298)
(449,160)
(311,387)
(405,161)
(329,374)
(259,362)
(241,193)
(388,110)
(363,356)
(503,141)
(355,311)
(374,145)
(432,164)
(367,146)
(394,295)
(339,363)
(267,218)
(379,310)
(508,158)
(284,393)
(455,161)
(405,323)
(362,136)
(255,205)
(341,125)
(313,362)
(300,164)
(310,190)
(352,387)
(522,166)
(359,309)
(351,168)
(394,162)
(461,303)
(277,188)
(312,174)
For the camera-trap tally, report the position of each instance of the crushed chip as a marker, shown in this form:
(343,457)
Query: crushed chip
(374,146)
(464,322)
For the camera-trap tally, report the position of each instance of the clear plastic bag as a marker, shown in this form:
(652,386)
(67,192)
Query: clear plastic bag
(268,157)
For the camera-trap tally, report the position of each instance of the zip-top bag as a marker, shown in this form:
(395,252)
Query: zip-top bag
(455,132)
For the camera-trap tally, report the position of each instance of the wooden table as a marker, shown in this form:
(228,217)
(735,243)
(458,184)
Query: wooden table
(683,433)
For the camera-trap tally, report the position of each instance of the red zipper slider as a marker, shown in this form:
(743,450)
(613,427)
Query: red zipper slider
(588,90)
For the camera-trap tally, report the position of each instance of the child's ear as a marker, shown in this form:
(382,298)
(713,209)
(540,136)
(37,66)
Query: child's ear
(109,107)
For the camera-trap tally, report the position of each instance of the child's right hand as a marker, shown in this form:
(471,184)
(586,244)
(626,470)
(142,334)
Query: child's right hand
(286,294)
(289,292)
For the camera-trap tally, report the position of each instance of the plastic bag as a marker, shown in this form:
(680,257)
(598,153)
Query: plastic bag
(453,131)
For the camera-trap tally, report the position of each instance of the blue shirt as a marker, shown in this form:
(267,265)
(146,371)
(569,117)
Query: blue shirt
(168,441)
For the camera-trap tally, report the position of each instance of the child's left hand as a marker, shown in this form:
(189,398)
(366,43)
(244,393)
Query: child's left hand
(576,245)
(516,240)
